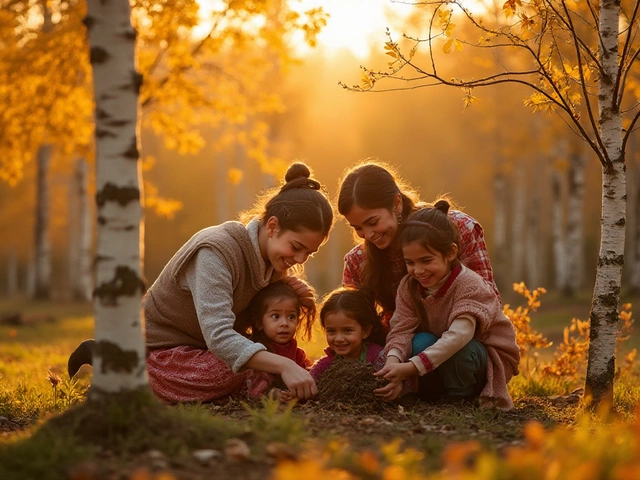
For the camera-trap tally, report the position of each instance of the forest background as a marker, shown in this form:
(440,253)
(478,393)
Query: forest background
(511,169)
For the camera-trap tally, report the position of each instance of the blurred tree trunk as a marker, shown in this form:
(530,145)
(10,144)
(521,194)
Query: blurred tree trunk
(80,234)
(533,263)
(634,216)
(12,272)
(119,354)
(575,221)
(42,265)
(558,231)
(223,189)
(518,224)
(500,228)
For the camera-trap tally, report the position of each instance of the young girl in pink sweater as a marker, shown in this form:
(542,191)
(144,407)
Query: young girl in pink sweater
(273,318)
(353,329)
(448,326)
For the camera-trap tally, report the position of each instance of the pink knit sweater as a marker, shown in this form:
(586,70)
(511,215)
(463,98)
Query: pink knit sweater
(465,292)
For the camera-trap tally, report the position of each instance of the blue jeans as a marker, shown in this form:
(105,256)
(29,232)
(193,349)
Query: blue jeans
(462,375)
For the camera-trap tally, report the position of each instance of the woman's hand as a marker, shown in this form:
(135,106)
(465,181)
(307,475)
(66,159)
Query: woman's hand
(298,381)
(302,289)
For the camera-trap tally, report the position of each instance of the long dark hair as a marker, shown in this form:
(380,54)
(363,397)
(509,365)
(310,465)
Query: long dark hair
(372,185)
(359,304)
(432,228)
(250,319)
(300,202)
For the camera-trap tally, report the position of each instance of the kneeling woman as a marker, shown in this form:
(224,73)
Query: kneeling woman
(190,311)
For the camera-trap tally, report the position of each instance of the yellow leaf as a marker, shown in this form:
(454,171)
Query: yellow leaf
(446,48)
(459,46)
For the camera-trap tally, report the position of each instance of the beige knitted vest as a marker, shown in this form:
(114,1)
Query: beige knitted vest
(169,310)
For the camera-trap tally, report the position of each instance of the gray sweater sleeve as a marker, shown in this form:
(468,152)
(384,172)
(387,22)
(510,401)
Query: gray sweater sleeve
(208,278)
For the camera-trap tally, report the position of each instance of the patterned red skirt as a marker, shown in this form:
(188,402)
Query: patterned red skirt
(190,374)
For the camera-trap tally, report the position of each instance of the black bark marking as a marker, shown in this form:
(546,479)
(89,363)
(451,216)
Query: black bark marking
(113,193)
(132,151)
(137,82)
(102,220)
(117,123)
(125,282)
(114,358)
(617,260)
(98,55)
(89,22)
(621,222)
(101,114)
(102,133)
(130,34)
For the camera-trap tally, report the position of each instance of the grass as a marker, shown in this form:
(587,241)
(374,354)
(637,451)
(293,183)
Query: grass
(49,434)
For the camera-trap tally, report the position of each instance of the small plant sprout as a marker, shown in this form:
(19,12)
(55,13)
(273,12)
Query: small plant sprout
(55,380)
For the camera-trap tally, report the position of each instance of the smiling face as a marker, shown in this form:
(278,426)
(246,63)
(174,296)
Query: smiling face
(426,266)
(344,334)
(377,225)
(284,249)
(280,320)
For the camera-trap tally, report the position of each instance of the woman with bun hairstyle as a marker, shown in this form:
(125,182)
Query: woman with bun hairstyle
(375,201)
(448,326)
(194,353)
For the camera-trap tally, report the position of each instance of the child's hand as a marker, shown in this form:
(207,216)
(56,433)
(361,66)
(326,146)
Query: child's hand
(388,392)
(396,372)
(299,382)
(302,289)
(282,396)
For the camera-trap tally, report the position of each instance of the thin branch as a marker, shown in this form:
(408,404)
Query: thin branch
(620,78)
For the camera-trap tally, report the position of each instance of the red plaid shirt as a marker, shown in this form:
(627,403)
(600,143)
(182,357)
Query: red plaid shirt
(473,254)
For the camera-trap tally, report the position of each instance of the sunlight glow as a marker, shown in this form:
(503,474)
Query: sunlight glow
(355,25)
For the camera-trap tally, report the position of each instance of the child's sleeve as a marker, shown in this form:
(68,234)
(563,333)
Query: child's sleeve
(404,323)
(301,359)
(457,336)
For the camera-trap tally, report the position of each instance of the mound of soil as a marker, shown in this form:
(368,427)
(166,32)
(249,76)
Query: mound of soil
(350,383)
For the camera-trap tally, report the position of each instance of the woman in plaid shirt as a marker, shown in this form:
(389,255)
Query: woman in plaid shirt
(375,201)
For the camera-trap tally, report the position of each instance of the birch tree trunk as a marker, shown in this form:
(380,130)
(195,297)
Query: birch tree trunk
(606,293)
(42,265)
(575,222)
(633,215)
(558,231)
(119,355)
(500,229)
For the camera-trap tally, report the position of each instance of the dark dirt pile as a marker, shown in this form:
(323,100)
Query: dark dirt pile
(349,383)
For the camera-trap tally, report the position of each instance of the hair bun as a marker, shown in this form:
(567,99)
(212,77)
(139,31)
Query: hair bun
(298,176)
(442,205)
(297,170)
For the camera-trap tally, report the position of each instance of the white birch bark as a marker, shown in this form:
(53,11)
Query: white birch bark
(518,225)
(606,293)
(500,228)
(558,231)
(119,354)
(42,265)
(575,221)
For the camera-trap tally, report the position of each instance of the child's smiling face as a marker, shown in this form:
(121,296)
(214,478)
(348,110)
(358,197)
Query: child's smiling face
(344,334)
(280,320)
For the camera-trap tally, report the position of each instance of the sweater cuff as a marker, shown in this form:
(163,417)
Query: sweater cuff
(394,352)
(422,363)
(245,356)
